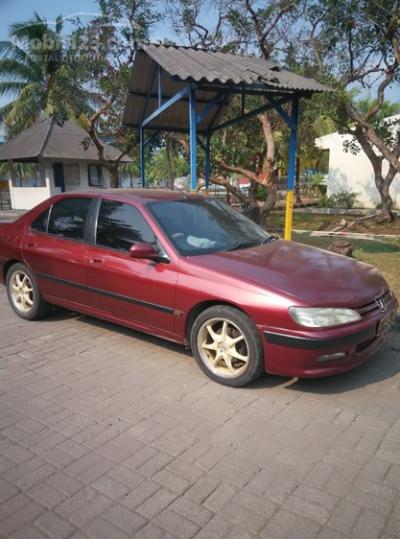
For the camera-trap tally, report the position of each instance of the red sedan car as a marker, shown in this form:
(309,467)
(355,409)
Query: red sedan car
(192,270)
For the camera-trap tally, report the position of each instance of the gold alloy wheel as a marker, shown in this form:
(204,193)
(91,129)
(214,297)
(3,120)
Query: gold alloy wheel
(21,291)
(223,348)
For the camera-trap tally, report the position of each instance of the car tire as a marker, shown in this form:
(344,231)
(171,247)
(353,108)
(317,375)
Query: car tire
(227,346)
(23,293)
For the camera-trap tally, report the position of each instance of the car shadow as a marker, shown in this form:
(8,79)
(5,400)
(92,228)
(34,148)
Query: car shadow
(383,365)
(132,333)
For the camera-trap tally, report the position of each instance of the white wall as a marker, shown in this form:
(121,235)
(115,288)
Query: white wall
(348,172)
(26,198)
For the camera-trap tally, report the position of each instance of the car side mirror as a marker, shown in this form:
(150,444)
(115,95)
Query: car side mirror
(143,250)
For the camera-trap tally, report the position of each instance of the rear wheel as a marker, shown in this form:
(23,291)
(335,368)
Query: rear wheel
(23,293)
(227,347)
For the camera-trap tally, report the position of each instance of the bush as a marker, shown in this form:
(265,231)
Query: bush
(261,192)
(318,182)
(341,199)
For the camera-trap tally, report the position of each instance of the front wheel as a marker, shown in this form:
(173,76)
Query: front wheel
(227,347)
(23,293)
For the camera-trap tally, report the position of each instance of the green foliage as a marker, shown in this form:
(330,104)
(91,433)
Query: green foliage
(261,192)
(36,74)
(342,199)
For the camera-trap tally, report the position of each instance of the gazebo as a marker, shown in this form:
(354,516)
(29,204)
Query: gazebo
(188,90)
(65,159)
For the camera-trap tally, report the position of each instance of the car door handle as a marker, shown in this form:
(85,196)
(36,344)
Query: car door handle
(96,260)
(31,244)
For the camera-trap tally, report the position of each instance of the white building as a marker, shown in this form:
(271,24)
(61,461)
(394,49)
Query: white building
(349,172)
(62,158)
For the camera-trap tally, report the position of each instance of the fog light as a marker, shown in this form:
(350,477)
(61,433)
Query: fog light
(331,357)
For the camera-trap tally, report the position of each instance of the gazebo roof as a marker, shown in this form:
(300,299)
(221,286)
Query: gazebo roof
(211,72)
(48,139)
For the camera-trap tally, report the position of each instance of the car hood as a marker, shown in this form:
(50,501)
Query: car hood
(311,276)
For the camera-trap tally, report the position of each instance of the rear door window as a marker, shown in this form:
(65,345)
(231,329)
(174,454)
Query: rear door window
(40,223)
(68,217)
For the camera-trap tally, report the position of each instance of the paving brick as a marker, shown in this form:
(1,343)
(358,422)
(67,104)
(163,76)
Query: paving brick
(171,481)
(216,527)
(7,490)
(156,503)
(12,505)
(176,525)
(286,525)
(345,516)
(29,532)
(369,525)
(106,446)
(110,487)
(65,483)
(46,495)
(54,526)
(125,519)
(150,531)
(220,497)
(244,518)
(192,511)
(155,464)
(37,476)
(102,529)
(20,518)
(203,488)
(140,494)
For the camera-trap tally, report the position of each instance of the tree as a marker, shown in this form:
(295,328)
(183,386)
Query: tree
(103,51)
(36,74)
(247,26)
(356,45)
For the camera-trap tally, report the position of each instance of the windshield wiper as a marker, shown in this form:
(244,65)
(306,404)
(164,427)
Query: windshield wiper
(241,245)
(246,244)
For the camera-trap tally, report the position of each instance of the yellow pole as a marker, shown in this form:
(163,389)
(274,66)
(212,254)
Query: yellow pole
(289,214)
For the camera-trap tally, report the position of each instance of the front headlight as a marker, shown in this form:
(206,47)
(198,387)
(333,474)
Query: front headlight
(323,317)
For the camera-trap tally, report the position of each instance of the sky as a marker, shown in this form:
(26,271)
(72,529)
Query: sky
(20,10)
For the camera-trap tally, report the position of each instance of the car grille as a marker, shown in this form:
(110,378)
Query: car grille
(375,306)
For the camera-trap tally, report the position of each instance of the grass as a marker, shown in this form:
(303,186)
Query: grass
(383,255)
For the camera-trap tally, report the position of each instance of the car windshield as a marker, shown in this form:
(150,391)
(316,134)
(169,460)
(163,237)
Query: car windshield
(204,226)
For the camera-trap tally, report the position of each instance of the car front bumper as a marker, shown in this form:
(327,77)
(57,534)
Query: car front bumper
(326,352)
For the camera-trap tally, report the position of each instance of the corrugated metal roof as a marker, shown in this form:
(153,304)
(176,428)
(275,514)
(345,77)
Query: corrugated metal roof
(200,65)
(211,71)
(47,139)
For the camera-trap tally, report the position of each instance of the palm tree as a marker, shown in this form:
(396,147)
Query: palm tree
(35,72)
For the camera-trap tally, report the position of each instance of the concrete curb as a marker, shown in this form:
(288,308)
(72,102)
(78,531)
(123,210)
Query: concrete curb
(353,235)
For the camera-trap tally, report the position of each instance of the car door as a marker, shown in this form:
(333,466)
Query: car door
(133,291)
(54,248)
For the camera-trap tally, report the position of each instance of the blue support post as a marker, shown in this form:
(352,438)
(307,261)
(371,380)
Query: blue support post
(193,138)
(171,101)
(207,163)
(291,170)
(142,171)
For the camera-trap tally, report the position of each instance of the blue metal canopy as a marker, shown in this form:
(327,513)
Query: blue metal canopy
(184,89)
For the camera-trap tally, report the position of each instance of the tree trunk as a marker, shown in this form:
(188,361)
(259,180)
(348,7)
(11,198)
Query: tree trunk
(114,177)
(168,150)
(382,183)
(386,213)
(298,200)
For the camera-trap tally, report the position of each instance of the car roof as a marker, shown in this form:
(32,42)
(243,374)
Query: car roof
(143,195)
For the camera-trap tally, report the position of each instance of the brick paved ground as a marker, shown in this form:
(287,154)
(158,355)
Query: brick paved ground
(108,434)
